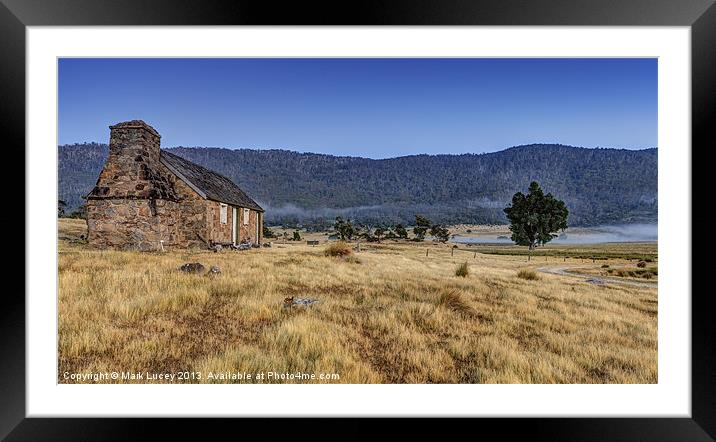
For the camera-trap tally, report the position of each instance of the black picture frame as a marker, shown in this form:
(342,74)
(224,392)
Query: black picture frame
(16,15)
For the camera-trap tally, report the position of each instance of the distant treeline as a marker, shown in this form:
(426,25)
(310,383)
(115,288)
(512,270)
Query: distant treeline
(600,186)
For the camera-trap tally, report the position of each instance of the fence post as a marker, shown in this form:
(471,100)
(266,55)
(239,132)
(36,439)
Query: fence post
(426,252)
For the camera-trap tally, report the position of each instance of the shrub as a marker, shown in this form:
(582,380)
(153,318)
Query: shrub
(641,264)
(339,248)
(527,274)
(462,270)
(453,301)
(605,266)
(352,259)
(627,273)
(647,275)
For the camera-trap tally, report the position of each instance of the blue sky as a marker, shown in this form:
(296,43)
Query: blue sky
(375,108)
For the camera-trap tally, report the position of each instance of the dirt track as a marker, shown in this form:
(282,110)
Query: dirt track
(564,271)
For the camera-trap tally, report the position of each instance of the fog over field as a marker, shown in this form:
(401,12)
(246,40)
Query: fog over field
(582,235)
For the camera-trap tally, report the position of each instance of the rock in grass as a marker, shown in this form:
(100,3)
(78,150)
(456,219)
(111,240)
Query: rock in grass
(291,302)
(213,270)
(192,267)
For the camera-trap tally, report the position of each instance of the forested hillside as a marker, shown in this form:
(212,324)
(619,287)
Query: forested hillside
(598,185)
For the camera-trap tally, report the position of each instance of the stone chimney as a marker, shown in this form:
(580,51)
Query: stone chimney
(134,138)
(133,169)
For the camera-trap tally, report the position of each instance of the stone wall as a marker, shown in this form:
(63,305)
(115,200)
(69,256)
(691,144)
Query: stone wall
(133,169)
(191,217)
(139,204)
(218,232)
(128,224)
(249,231)
(222,233)
(133,224)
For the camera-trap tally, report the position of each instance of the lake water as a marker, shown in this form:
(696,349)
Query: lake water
(578,235)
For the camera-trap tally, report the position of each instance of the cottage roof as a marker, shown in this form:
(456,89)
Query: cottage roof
(208,183)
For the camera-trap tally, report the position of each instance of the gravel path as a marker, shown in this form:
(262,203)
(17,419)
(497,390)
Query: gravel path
(565,271)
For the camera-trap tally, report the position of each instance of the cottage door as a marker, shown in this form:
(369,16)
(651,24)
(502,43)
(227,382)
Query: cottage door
(234,225)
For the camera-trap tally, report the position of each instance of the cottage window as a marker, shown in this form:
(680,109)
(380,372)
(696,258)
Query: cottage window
(223,211)
(246,217)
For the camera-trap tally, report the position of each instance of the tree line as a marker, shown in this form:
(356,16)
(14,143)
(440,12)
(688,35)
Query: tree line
(347,230)
(598,185)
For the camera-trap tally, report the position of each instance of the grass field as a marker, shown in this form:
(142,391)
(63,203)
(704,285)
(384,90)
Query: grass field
(583,253)
(387,314)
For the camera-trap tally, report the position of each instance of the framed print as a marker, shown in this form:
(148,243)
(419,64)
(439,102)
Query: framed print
(441,211)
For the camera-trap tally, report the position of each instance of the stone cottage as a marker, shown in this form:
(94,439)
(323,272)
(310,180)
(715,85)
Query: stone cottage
(149,199)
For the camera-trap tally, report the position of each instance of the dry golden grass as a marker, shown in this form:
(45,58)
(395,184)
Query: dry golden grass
(624,270)
(393,316)
(528,274)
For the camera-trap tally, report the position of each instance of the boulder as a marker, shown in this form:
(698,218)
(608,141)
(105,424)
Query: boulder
(192,267)
(214,270)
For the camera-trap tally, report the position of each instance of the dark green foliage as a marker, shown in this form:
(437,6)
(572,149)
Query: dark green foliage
(535,217)
(81,212)
(366,232)
(296,235)
(268,233)
(344,228)
(599,186)
(422,221)
(422,224)
(379,233)
(61,206)
(440,232)
(401,232)
(641,264)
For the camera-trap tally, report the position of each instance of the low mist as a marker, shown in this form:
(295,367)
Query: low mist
(583,235)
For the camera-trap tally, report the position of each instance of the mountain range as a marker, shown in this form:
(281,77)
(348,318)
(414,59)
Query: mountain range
(599,186)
